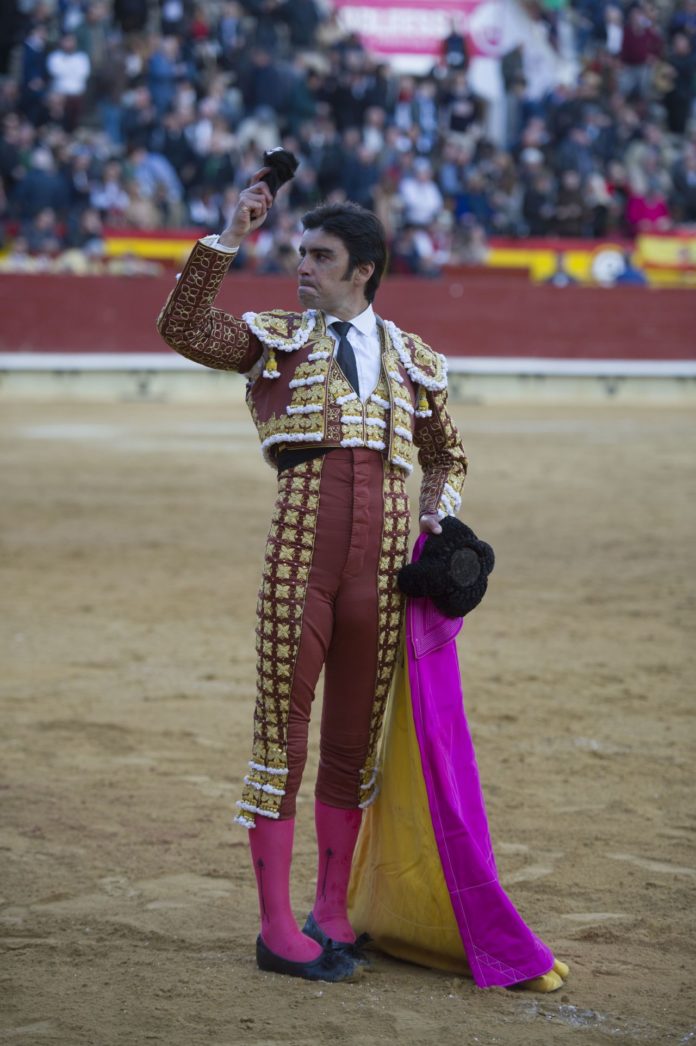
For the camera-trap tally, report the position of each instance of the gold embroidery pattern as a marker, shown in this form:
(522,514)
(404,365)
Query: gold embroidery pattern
(375,411)
(277,323)
(400,450)
(393,555)
(286,569)
(192,327)
(371,424)
(440,454)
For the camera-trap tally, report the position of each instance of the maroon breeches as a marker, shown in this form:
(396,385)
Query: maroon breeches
(329,599)
(339,629)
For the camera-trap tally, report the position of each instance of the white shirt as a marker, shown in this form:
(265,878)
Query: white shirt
(422,200)
(364,341)
(70,72)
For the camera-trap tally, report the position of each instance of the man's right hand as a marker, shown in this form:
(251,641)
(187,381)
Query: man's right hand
(252,207)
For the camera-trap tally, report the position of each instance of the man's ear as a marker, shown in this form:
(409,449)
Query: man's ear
(362,273)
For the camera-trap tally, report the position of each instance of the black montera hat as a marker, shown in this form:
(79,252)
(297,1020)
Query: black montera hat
(282,164)
(452,570)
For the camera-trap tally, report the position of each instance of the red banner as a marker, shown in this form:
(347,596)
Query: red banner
(416,27)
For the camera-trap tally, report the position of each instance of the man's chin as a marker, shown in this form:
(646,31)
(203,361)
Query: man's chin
(307,295)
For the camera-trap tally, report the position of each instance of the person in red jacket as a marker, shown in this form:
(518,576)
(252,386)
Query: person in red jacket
(642,45)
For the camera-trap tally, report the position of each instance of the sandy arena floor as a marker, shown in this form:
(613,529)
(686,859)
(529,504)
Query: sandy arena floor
(132,541)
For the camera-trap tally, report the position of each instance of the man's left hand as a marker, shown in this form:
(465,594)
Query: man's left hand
(430,524)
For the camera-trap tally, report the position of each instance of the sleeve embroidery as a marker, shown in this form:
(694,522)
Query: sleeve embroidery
(194,328)
(441,457)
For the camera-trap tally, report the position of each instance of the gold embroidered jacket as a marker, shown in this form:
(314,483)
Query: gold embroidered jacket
(297,393)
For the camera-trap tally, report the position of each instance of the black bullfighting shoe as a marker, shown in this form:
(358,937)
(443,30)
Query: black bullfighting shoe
(354,950)
(331,965)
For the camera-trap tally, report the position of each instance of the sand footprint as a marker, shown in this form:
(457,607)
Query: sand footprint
(654,866)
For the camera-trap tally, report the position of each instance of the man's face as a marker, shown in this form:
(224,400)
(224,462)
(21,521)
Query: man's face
(324,280)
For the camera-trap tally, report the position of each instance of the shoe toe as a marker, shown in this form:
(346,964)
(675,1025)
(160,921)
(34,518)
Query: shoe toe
(329,966)
(352,950)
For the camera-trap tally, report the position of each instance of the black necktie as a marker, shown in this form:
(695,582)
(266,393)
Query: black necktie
(345,357)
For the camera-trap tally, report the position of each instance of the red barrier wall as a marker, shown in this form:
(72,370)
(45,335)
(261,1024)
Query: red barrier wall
(470,314)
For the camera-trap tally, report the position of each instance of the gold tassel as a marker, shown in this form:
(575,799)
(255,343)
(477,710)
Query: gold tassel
(422,399)
(271,364)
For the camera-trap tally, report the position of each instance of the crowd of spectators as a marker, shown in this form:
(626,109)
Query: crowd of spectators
(134,114)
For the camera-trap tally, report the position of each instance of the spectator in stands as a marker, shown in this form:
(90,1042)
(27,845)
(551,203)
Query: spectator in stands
(641,45)
(474,200)
(15,143)
(360,173)
(204,209)
(69,71)
(454,48)
(304,191)
(302,19)
(421,197)
(374,128)
(613,29)
(230,33)
(263,82)
(539,202)
(34,72)
(684,181)
(426,116)
(461,110)
(218,162)
(602,213)
(648,211)
(681,73)
(413,253)
(131,15)
(42,188)
(451,169)
(95,35)
(469,245)
(156,181)
(164,68)
(88,234)
(174,139)
(261,129)
(75,163)
(571,214)
(684,19)
(43,234)
(142,211)
(173,17)
(138,117)
(109,196)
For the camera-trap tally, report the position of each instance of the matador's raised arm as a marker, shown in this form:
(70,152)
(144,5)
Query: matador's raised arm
(191,325)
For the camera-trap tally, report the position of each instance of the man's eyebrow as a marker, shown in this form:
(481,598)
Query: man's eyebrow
(317,250)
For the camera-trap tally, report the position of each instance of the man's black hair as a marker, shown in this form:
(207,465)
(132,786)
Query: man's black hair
(361,233)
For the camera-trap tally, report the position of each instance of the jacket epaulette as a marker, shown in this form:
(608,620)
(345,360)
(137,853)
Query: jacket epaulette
(278,329)
(423,365)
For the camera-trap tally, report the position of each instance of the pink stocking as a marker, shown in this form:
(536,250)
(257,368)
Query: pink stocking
(337,834)
(271,852)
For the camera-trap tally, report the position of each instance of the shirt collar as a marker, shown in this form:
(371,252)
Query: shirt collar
(365,322)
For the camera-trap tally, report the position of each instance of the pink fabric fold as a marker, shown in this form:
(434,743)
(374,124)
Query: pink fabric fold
(500,948)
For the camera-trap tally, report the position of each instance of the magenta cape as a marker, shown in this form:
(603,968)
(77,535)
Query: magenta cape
(499,946)
(425,882)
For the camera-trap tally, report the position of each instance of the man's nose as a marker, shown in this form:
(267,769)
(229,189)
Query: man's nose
(304,267)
